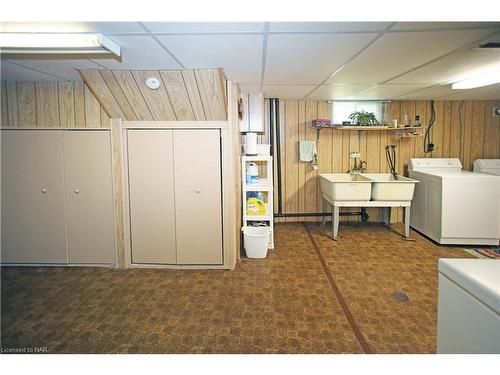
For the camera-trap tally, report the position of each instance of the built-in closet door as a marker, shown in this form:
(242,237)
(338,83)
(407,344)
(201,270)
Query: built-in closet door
(33,217)
(151,193)
(198,204)
(89,196)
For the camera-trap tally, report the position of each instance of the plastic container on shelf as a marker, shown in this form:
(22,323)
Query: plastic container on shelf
(256,241)
(252,173)
(250,145)
(263,149)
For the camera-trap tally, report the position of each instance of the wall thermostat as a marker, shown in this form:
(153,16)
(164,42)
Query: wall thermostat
(153,83)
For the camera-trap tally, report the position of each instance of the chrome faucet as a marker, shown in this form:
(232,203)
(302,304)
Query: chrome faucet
(363,166)
(357,168)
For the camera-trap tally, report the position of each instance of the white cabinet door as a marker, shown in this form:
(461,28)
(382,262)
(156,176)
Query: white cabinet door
(89,196)
(198,205)
(151,194)
(33,222)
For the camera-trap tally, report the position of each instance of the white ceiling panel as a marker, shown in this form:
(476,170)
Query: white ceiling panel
(239,55)
(250,88)
(480,93)
(427,93)
(339,92)
(456,67)
(309,58)
(386,92)
(65,69)
(204,27)
(12,72)
(139,52)
(287,91)
(443,25)
(328,26)
(72,27)
(397,53)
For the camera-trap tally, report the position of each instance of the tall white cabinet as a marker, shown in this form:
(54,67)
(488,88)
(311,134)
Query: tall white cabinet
(57,197)
(33,203)
(89,196)
(175,203)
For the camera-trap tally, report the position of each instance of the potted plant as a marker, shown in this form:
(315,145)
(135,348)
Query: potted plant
(363,118)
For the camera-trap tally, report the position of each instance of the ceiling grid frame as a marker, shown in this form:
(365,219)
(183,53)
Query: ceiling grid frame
(267,30)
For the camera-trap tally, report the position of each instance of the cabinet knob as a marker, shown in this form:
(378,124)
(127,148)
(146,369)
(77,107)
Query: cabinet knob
(43,190)
(198,191)
(77,191)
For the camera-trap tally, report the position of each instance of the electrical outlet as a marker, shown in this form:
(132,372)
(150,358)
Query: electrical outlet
(430,147)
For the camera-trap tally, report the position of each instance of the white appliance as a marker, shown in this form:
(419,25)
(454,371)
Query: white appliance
(469,306)
(453,206)
(490,166)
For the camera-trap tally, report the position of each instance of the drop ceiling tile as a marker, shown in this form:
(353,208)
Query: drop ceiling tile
(239,55)
(287,91)
(328,26)
(309,58)
(204,27)
(139,52)
(442,25)
(12,72)
(386,92)
(427,93)
(65,69)
(250,88)
(397,53)
(456,67)
(338,92)
(72,27)
(491,92)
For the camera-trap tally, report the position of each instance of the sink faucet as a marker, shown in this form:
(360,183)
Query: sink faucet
(363,166)
(358,168)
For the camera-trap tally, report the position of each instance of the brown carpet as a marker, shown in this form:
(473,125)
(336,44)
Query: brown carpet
(281,304)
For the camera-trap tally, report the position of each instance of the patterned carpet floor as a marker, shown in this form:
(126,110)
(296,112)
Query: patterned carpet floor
(282,304)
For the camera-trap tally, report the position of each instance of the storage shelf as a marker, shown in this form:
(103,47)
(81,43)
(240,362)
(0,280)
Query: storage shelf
(256,158)
(371,128)
(263,185)
(259,218)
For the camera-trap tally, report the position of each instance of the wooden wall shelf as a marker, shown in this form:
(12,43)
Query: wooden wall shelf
(370,128)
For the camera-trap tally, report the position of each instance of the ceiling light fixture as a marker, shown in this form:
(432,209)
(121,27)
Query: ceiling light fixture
(478,81)
(37,43)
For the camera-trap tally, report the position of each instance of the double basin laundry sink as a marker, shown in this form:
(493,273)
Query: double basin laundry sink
(365,187)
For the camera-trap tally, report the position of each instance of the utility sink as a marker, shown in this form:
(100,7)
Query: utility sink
(346,187)
(386,188)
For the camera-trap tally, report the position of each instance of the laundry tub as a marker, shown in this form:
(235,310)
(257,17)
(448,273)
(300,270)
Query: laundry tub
(256,241)
(387,188)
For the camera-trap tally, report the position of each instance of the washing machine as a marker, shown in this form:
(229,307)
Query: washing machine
(468,306)
(490,166)
(453,206)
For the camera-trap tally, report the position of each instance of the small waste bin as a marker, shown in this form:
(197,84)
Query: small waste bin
(256,241)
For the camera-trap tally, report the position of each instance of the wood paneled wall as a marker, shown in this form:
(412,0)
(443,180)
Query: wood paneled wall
(50,104)
(183,95)
(463,129)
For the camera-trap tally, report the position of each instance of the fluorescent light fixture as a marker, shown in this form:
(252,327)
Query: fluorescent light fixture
(57,43)
(482,80)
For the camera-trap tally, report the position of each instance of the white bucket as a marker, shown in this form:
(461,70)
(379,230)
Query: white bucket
(256,240)
(250,144)
(263,149)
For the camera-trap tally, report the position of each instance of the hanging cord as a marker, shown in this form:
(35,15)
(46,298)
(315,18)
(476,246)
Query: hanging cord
(390,154)
(461,129)
(427,141)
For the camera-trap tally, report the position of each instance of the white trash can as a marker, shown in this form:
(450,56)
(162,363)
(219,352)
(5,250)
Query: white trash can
(256,241)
